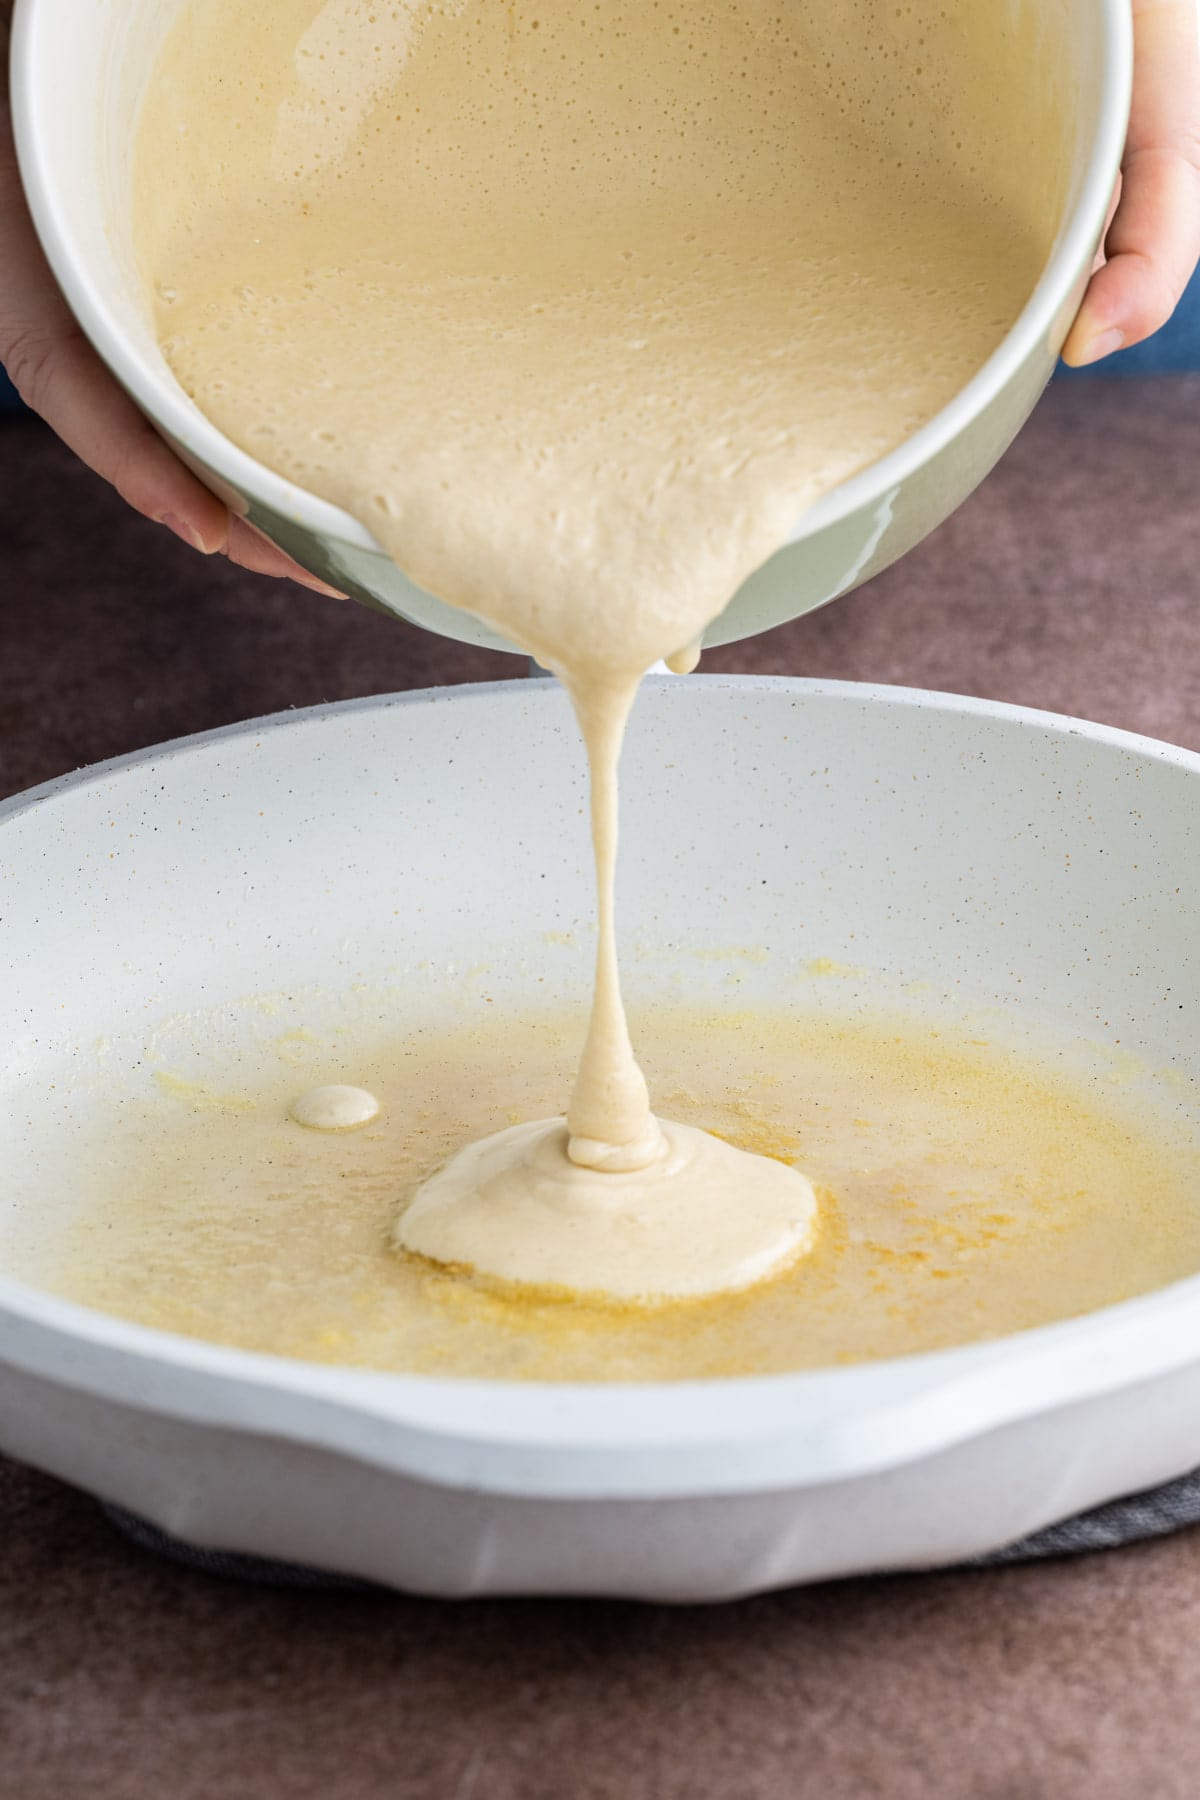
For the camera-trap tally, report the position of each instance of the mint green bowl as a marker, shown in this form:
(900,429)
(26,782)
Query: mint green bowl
(78,73)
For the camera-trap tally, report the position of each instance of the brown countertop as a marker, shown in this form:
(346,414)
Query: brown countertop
(1070,581)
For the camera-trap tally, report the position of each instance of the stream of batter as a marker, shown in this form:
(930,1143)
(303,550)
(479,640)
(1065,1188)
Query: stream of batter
(579,304)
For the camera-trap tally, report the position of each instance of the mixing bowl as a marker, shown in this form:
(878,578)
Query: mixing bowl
(78,73)
(1036,871)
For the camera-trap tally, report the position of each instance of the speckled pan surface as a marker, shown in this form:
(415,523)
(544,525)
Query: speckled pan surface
(1001,859)
(77,76)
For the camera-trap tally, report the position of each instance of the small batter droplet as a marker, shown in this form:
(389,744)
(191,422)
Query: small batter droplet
(334,1108)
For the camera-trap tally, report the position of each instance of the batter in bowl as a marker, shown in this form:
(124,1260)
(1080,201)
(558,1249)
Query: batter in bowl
(578,306)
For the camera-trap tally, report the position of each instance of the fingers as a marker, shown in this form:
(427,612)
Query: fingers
(1153,242)
(251,550)
(62,379)
(58,374)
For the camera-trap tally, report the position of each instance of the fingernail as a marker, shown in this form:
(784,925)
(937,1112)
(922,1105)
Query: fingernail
(1100,347)
(182,529)
(320,587)
(307,579)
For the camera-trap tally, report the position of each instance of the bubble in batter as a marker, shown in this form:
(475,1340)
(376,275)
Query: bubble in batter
(335,1107)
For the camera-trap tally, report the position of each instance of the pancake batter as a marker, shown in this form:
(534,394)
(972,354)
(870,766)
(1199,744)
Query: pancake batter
(578,306)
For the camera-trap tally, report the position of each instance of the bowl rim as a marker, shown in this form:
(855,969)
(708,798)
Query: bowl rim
(644,1441)
(36,43)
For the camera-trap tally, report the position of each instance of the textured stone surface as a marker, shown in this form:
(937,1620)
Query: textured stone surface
(1071,581)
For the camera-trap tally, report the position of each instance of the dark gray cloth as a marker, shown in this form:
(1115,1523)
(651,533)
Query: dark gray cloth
(1153,1514)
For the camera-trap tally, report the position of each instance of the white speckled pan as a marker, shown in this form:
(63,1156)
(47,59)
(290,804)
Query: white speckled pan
(336,846)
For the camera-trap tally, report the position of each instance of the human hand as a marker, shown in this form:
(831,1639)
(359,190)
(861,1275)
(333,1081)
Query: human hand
(58,374)
(1153,241)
